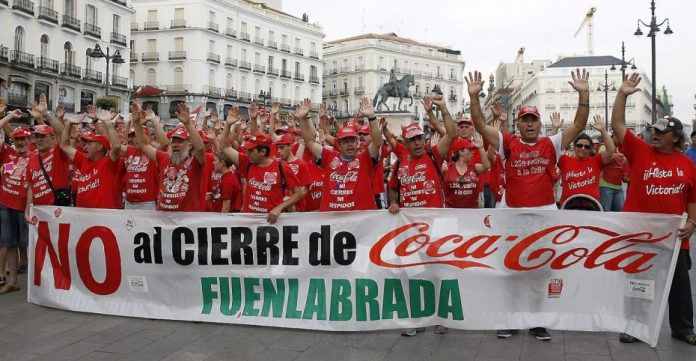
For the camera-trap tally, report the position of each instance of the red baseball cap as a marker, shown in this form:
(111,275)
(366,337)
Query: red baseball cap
(283,129)
(528,109)
(179,132)
(97,138)
(365,129)
(465,120)
(347,132)
(43,129)
(258,139)
(460,144)
(21,132)
(286,138)
(411,130)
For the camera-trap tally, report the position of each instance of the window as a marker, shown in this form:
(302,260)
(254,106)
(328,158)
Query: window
(242,84)
(178,76)
(69,8)
(19,39)
(228,83)
(44,46)
(211,16)
(271,35)
(257,58)
(244,27)
(179,44)
(86,99)
(211,46)
(211,77)
(244,55)
(284,40)
(68,53)
(117,24)
(152,15)
(151,45)
(179,14)
(313,71)
(88,59)
(230,23)
(91,15)
(230,51)
(151,77)
(270,62)
(297,68)
(257,32)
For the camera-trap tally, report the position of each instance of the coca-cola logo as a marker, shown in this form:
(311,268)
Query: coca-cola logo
(549,247)
(270,177)
(414,178)
(350,176)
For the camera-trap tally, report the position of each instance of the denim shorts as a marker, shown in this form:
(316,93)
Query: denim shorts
(15,231)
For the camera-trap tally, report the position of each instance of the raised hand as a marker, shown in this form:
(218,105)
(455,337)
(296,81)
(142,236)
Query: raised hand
(497,124)
(474,83)
(630,84)
(366,109)
(254,111)
(322,110)
(439,100)
(427,104)
(275,108)
(106,116)
(556,120)
(598,124)
(477,140)
(151,116)
(42,105)
(184,114)
(60,112)
(208,113)
(15,114)
(580,81)
(497,109)
(91,112)
(233,116)
(34,111)
(302,109)
(77,119)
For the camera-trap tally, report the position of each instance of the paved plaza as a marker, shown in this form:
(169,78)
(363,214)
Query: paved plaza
(30,332)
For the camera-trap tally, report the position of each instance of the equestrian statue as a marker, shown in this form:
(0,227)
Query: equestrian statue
(394,88)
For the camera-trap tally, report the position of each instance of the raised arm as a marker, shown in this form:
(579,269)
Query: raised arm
(233,118)
(39,109)
(308,131)
(556,122)
(184,117)
(445,142)
(5,122)
(275,120)
(65,145)
(368,111)
(107,118)
(581,85)
(432,119)
(139,121)
(485,162)
(57,121)
(253,118)
(618,113)
(609,146)
(474,84)
(160,134)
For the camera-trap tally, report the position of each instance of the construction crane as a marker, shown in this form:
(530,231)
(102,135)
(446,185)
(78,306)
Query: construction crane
(590,30)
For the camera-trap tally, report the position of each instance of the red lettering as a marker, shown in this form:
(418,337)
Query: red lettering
(60,263)
(112,260)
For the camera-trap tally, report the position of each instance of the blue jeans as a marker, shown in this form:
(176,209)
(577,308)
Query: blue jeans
(612,200)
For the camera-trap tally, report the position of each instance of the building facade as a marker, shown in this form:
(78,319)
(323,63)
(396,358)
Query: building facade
(223,53)
(357,67)
(46,46)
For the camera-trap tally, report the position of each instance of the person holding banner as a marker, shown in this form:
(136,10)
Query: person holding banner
(181,167)
(530,160)
(347,171)
(663,180)
(267,179)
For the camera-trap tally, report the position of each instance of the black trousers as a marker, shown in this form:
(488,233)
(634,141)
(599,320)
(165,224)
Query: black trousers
(681,308)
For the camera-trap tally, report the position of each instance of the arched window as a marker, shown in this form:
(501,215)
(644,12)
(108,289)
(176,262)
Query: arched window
(211,77)
(19,39)
(178,76)
(68,53)
(257,86)
(345,106)
(131,78)
(151,77)
(88,59)
(44,46)
(228,82)
(242,84)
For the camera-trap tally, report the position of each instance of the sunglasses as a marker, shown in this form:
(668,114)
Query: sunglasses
(583,146)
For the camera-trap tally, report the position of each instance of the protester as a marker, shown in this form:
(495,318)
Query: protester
(461,175)
(530,160)
(225,194)
(612,178)
(298,166)
(662,181)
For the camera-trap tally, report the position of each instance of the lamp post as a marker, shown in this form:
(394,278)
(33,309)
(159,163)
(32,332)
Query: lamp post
(116,58)
(605,87)
(653,28)
(623,62)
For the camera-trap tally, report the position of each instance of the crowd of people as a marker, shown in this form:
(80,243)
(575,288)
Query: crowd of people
(272,163)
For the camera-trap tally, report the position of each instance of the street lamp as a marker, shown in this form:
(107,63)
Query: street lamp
(605,87)
(653,28)
(116,58)
(624,62)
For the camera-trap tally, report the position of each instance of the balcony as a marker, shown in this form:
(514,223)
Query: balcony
(213,26)
(47,64)
(272,44)
(453,77)
(333,71)
(258,40)
(259,68)
(285,74)
(285,102)
(417,73)
(177,89)
(345,69)
(427,74)
(298,77)
(92,30)
(71,23)
(24,6)
(333,92)
(244,96)
(359,90)
(177,24)
(231,32)
(550,90)
(134,26)
(298,51)
(272,71)
(119,81)
(231,94)
(343,92)
(439,76)
(313,54)
(48,14)
(177,55)
(150,56)
(245,36)
(92,75)
(214,91)
(117,38)
(314,79)
(4,53)
(151,25)
(285,48)
(71,70)
(565,90)
(550,107)
(245,65)
(133,57)
(18,99)
(452,97)
(22,58)
(359,67)
(213,58)
(231,62)
(565,106)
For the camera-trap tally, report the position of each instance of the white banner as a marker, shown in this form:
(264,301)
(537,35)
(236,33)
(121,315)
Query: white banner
(482,269)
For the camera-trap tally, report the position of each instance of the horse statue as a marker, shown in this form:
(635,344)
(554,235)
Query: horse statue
(398,88)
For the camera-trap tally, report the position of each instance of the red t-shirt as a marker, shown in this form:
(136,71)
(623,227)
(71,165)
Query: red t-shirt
(141,177)
(418,181)
(461,190)
(225,187)
(312,201)
(347,183)
(14,186)
(660,182)
(529,171)
(179,185)
(614,171)
(264,189)
(57,166)
(300,169)
(580,176)
(99,183)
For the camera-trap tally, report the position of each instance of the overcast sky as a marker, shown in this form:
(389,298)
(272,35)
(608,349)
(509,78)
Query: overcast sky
(490,31)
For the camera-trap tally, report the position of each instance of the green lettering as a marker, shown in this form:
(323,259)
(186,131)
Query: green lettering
(273,297)
(449,289)
(422,297)
(208,293)
(366,294)
(341,306)
(316,300)
(394,299)
(235,295)
(251,296)
(292,311)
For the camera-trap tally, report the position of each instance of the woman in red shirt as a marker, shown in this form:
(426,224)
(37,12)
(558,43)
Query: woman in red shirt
(461,176)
